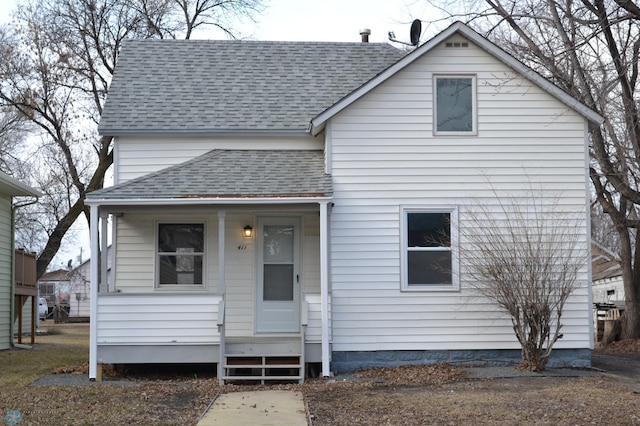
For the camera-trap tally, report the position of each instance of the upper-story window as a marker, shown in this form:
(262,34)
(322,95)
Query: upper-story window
(180,254)
(454,105)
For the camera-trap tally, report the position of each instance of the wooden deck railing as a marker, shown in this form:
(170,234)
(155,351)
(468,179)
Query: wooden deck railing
(25,273)
(25,286)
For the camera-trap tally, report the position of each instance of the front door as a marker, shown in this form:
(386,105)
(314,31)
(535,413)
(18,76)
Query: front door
(278,287)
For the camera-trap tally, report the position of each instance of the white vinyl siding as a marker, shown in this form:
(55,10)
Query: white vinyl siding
(5,271)
(608,290)
(135,254)
(158,319)
(172,319)
(385,156)
(138,155)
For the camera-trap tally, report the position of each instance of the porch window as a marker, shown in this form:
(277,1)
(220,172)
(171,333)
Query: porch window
(180,254)
(454,105)
(428,258)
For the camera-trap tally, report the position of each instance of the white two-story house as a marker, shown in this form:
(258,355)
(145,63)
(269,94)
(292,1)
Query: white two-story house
(271,201)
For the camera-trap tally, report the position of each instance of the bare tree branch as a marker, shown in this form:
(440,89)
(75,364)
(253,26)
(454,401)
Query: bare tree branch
(56,63)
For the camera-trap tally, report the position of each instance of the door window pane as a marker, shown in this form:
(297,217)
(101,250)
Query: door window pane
(278,282)
(278,243)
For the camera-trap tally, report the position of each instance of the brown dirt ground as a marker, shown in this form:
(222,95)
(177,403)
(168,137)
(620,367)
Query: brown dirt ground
(419,395)
(445,395)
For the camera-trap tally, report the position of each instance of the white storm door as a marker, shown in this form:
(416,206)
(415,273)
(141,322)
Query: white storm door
(278,286)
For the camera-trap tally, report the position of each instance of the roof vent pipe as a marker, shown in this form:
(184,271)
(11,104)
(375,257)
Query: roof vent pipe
(365,33)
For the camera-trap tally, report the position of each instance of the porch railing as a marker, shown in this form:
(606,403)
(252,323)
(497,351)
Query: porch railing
(25,273)
(24,267)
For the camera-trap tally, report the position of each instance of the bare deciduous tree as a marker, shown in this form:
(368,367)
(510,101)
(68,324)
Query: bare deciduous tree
(56,63)
(591,49)
(526,256)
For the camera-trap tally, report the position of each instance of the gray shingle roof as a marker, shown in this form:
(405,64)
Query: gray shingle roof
(219,85)
(231,173)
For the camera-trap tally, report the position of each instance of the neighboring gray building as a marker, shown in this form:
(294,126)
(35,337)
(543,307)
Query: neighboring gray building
(80,287)
(607,276)
(9,189)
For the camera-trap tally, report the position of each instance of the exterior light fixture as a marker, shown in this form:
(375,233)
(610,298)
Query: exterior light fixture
(248,231)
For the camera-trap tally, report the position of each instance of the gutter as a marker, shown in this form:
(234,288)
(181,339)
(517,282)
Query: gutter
(201,201)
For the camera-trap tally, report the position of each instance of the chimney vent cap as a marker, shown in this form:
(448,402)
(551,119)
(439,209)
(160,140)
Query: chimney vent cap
(364,34)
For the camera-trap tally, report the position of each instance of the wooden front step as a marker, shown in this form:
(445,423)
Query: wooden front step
(270,367)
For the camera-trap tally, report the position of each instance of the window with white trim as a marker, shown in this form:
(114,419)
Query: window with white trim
(454,105)
(428,258)
(180,254)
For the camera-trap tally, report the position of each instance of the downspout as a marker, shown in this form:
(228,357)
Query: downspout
(12,262)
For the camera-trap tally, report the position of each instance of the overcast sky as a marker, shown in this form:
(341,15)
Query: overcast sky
(303,20)
(327,20)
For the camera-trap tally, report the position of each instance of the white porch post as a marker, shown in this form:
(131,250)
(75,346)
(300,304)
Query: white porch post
(324,286)
(221,237)
(94,273)
(221,290)
(104,285)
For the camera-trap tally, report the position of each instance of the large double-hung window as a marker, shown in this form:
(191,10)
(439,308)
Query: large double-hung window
(429,261)
(180,255)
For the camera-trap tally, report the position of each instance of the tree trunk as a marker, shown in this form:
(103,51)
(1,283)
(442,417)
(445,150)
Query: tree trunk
(533,359)
(631,321)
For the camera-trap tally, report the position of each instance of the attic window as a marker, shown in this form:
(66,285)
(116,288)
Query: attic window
(457,44)
(454,104)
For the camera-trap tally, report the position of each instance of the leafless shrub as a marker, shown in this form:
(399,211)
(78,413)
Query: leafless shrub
(526,255)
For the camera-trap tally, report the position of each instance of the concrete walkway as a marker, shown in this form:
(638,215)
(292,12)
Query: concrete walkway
(258,408)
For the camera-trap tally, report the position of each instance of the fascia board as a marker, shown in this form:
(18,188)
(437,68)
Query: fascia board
(531,75)
(112,132)
(201,201)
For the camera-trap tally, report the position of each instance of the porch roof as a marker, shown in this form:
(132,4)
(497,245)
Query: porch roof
(230,174)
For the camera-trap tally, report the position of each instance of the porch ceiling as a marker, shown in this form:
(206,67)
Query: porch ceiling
(230,174)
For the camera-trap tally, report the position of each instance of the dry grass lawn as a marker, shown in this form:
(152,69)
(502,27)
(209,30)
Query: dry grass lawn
(407,396)
(178,399)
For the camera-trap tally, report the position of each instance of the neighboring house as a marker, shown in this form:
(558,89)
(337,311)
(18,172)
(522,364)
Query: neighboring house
(275,203)
(607,276)
(9,292)
(80,287)
(607,287)
(55,287)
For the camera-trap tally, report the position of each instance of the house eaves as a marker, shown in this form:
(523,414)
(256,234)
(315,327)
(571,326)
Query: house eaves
(11,186)
(317,123)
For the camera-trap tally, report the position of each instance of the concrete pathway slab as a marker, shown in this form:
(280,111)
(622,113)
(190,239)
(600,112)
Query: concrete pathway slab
(259,408)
